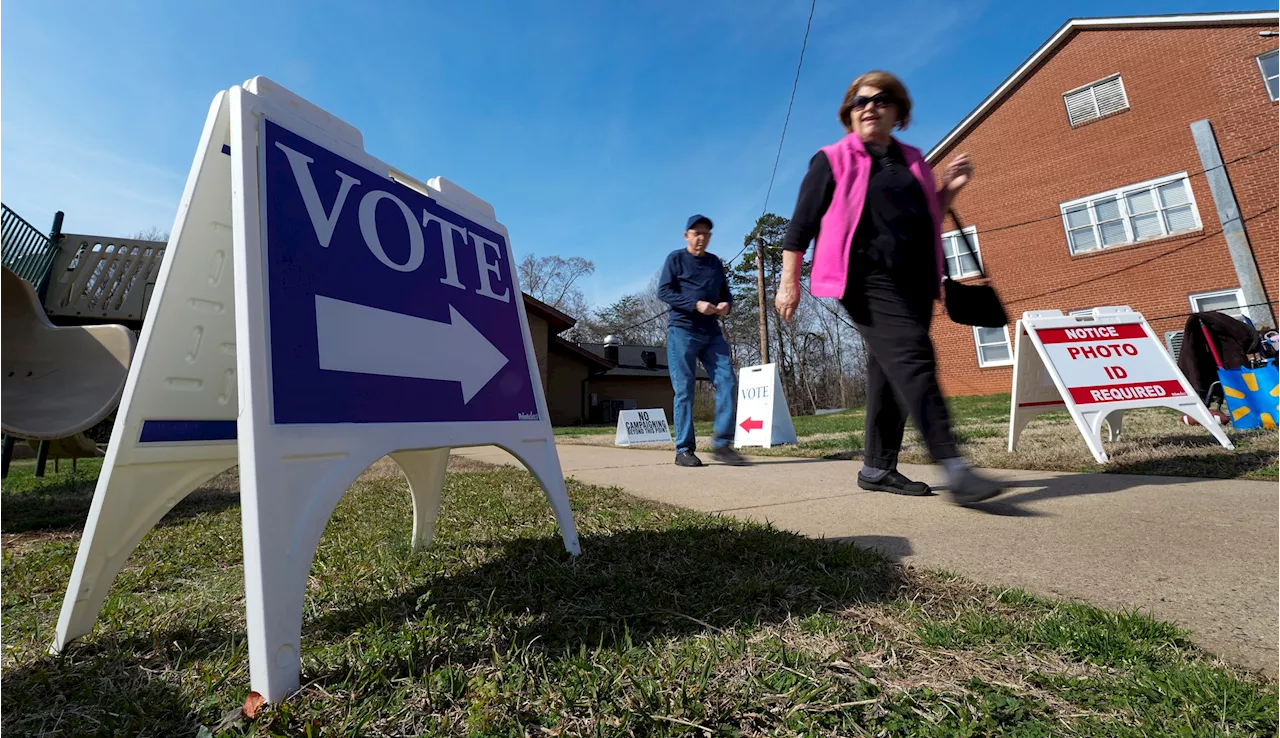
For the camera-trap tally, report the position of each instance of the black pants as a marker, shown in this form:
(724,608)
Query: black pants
(902,379)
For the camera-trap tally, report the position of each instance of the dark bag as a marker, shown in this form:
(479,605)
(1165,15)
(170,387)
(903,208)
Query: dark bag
(972,304)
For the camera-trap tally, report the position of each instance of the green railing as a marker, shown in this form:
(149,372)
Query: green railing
(26,251)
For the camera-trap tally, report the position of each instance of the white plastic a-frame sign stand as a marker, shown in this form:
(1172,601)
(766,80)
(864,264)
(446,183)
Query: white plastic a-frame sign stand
(1095,367)
(763,416)
(316,311)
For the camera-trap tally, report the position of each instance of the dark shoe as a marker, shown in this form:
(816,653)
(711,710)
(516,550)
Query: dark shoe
(686,458)
(972,487)
(895,483)
(727,455)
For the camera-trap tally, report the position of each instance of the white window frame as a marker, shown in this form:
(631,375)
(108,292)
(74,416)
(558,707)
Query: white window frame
(972,233)
(1236,293)
(1263,72)
(1098,114)
(1126,218)
(977,346)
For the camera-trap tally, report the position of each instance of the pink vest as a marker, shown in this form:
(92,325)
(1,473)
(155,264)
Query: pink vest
(851,167)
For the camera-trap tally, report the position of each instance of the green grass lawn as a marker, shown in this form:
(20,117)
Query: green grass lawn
(1153,442)
(670,623)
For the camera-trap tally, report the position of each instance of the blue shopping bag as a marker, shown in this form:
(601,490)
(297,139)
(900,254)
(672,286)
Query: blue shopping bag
(1253,395)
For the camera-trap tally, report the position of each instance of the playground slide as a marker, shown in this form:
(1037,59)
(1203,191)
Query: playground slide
(56,382)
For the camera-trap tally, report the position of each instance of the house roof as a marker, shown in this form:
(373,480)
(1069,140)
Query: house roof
(577,351)
(631,363)
(557,322)
(1067,30)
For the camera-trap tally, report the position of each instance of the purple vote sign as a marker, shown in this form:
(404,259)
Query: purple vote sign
(385,306)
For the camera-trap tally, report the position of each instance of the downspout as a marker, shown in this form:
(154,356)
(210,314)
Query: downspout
(1224,199)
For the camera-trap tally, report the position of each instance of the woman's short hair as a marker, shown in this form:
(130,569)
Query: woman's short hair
(885,81)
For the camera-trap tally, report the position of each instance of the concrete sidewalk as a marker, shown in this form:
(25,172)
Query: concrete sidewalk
(1200,553)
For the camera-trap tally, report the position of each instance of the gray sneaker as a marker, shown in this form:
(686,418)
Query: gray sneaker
(686,458)
(972,487)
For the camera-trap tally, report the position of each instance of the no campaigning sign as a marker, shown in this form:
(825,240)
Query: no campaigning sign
(644,426)
(1110,363)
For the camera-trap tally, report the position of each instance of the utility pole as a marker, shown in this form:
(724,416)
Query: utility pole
(764,321)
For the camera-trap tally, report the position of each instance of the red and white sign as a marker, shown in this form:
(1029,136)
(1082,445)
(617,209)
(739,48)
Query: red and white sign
(763,416)
(1095,366)
(1111,363)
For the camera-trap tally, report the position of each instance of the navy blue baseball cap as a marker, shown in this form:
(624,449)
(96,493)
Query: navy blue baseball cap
(696,219)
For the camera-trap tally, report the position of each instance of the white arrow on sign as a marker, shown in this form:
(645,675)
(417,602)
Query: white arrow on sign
(366,340)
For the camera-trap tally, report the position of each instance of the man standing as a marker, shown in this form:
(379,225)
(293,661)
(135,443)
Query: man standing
(694,284)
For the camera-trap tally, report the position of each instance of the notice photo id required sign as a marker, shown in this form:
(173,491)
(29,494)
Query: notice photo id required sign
(1110,363)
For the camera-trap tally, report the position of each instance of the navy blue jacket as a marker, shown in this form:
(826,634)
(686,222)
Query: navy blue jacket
(685,280)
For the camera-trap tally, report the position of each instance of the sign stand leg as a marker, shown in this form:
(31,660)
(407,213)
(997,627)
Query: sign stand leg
(1090,425)
(1115,424)
(1019,421)
(540,457)
(1201,413)
(127,504)
(425,471)
(286,502)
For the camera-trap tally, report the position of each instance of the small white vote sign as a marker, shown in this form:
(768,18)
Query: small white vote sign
(763,416)
(1095,367)
(637,427)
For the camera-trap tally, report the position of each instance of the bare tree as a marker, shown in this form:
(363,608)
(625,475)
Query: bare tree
(818,354)
(150,234)
(553,279)
(639,318)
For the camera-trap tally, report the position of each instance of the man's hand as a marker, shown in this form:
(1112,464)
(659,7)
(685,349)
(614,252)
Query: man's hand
(723,309)
(707,308)
(788,299)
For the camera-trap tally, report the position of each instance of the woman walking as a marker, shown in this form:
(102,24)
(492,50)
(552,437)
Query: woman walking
(872,204)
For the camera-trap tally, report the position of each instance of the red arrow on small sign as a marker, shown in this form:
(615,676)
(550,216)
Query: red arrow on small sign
(749,425)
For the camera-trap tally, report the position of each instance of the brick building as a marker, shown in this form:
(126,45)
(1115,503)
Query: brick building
(1091,139)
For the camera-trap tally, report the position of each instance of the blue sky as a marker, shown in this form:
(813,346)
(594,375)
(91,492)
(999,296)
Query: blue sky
(595,128)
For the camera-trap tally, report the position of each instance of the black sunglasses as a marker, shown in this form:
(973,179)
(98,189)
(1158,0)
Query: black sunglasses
(881,100)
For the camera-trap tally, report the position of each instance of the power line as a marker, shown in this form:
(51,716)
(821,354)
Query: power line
(1056,216)
(785,122)
(1201,239)
(1194,240)
(804,45)
(1059,216)
(794,85)
(1188,315)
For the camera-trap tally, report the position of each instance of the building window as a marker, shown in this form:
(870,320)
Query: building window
(1269,65)
(993,346)
(961,260)
(1227,302)
(1153,209)
(1096,99)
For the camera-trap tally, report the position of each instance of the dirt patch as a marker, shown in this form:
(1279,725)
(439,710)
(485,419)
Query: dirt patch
(18,543)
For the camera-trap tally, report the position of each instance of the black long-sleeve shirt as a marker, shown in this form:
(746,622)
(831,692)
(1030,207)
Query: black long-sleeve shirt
(895,230)
(685,280)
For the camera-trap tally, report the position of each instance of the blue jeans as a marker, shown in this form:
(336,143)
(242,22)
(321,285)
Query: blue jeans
(684,349)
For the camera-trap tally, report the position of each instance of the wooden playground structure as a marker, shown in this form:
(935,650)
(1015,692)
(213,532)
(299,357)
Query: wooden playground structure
(71,308)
